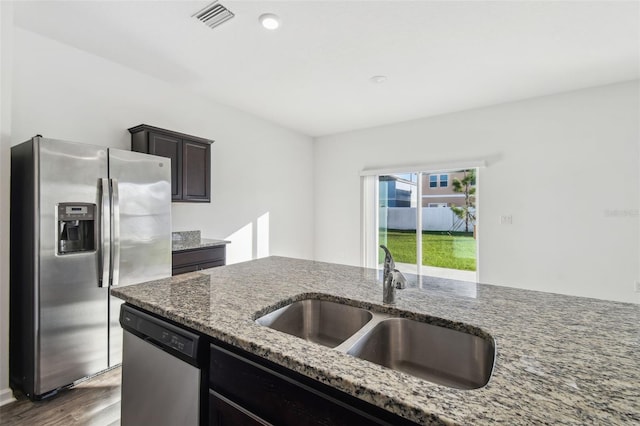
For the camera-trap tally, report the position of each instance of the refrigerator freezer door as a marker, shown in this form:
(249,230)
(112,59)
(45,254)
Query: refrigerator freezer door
(72,309)
(143,243)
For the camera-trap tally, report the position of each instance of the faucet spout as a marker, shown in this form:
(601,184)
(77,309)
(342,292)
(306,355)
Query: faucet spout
(389,264)
(392,279)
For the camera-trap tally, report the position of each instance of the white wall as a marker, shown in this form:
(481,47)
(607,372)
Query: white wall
(575,152)
(262,174)
(258,169)
(6,48)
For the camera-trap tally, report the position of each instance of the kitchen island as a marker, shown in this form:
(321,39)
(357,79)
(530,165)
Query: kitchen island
(559,359)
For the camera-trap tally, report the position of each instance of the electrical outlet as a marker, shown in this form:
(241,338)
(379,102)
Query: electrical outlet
(637,286)
(506,220)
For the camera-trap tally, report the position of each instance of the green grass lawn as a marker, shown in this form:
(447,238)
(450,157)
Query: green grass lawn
(456,250)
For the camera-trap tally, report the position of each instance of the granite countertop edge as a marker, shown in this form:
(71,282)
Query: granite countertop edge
(194,245)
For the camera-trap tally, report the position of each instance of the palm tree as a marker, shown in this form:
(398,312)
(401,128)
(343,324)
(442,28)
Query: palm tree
(466,185)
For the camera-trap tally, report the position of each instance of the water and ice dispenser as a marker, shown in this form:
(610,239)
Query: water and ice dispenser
(76,227)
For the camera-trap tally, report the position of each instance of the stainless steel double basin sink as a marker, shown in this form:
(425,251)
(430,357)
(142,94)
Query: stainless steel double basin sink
(437,353)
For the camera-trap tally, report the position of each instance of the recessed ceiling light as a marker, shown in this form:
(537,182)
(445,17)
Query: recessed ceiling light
(269,21)
(377,79)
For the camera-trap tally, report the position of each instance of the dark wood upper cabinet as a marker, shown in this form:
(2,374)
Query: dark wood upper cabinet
(190,160)
(170,147)
(196,159)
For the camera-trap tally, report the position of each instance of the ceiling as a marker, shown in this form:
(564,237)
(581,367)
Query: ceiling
(313,74)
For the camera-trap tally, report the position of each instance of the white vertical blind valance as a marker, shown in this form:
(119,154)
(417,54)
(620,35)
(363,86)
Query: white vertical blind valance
(430,167)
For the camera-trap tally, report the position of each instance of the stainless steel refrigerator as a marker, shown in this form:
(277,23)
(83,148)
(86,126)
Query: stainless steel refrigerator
(83,219)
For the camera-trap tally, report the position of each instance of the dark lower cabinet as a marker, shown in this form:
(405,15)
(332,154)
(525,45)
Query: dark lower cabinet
(224,412)
(248,390)
(197,259)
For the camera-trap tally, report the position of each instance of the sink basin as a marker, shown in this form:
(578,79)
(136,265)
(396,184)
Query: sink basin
(320,321)
(437,354)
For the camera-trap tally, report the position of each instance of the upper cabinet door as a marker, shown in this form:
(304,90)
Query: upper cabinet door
(170,147)
(197,171)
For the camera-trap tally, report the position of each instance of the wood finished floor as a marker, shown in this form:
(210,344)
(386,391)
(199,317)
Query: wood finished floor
(95,402)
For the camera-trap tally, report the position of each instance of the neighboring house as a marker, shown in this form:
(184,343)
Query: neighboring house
(437,190)
(397,191)
(400,190)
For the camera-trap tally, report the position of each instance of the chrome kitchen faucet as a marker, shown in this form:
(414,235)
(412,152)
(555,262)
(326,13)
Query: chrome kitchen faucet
(391,278)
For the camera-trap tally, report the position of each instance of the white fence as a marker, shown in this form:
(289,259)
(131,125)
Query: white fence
(433,219)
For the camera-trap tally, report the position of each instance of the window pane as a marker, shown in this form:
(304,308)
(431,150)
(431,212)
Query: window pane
(448,239)
(397,219)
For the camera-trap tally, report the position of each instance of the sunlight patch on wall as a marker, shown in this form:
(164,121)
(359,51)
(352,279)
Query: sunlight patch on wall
(252,241)
(241,247)
(262,236)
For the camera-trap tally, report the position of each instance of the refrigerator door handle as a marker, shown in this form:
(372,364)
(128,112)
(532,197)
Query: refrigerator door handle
(105,234)
(115,236)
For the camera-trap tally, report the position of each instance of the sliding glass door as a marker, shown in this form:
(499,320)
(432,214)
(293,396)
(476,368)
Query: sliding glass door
(428,220)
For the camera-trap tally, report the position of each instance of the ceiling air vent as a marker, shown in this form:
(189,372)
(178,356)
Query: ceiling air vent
(214,14)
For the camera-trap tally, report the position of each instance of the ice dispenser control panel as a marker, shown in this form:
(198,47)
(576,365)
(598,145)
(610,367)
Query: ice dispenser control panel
(76,227)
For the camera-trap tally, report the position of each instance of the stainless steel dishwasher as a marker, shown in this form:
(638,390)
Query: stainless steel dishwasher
(160,372)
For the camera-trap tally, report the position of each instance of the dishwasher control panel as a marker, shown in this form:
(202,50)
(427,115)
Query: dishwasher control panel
(176,341)
(159,332)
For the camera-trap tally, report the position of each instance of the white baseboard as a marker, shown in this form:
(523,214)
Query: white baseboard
(6,396)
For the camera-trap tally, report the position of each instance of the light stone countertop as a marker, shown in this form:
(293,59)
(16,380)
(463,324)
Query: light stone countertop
(189,240)
(203,242)
(560,359)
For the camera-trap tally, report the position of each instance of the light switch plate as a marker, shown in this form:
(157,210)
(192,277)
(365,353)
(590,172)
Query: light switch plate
(506,220)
